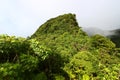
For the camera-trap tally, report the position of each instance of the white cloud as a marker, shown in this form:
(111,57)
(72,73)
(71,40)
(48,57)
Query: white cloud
(23,17)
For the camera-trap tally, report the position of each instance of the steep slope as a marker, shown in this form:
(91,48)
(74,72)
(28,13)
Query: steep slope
(59,50)
(60,24)
(75,54)
(65,38)
(62,34)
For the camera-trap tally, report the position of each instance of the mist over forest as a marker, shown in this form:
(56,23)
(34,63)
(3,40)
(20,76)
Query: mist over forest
(61,50)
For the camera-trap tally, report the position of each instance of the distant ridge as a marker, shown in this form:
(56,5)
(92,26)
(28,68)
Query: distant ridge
(115,37)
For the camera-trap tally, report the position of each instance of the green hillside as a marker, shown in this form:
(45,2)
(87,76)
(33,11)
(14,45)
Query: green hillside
(59,50)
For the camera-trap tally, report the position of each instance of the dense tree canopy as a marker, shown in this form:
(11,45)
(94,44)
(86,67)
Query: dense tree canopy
(59,50)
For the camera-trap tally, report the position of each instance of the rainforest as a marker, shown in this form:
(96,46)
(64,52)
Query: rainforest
(59,50)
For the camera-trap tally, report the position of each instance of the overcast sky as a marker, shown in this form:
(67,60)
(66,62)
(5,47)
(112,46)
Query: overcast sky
(23,17)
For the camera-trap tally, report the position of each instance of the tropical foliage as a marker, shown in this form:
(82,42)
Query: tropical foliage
(59,50)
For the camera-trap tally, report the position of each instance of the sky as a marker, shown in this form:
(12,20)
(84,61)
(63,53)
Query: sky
(23,17)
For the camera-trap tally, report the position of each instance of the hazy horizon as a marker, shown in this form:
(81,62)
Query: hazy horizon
(23,17)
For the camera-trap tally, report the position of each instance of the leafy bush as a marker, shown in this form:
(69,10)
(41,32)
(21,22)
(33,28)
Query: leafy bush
(82,63)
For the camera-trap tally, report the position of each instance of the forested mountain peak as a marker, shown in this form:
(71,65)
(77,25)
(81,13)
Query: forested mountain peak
(59,50)
(59,25)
